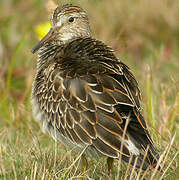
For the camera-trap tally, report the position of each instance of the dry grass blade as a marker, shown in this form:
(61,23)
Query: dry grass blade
(68,169)
(121,148)
(145,173)
(43,174)
(158,164)
(14,170)
(133,168)
(167,153)
(169,166)
(35,171)
(163,157)
(77,167)
(55,146)
(128,167)
(140,170)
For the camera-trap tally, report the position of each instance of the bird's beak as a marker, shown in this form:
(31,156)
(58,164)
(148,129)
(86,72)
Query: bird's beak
(48,37)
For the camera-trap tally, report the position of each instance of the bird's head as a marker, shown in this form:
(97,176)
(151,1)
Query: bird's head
(68,23)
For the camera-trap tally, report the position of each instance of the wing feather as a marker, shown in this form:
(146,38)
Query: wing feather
(104,148)
(82,134)
(86,108)
(111,140)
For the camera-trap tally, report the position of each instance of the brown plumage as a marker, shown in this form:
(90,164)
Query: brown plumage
(83,94)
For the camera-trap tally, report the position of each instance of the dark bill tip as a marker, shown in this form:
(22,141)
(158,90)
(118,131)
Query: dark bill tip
(47,38)
(36,48)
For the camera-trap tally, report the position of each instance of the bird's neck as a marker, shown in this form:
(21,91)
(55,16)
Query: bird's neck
(48,53)
(54,49)
(79,52)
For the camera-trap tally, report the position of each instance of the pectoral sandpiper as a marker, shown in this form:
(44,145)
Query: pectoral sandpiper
(85,97)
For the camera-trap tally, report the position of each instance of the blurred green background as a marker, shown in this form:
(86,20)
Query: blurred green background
(144,35)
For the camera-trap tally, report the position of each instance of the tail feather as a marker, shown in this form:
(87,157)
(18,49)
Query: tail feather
(143,162)
(142,141)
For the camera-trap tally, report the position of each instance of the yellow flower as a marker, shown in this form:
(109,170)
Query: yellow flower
(42,29)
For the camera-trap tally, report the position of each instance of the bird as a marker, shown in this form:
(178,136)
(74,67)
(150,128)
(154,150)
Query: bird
(85,97)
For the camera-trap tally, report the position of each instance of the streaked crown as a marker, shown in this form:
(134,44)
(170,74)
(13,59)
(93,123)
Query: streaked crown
(67,9)
(69,22)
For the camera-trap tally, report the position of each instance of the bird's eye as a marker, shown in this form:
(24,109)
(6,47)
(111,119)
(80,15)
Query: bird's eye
(71,19)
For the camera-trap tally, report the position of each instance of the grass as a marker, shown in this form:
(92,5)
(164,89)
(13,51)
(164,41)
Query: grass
(144,34)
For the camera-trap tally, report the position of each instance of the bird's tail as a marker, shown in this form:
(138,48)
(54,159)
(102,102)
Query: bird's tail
(146,160)
(139,136)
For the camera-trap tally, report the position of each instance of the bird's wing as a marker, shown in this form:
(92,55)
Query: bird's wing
(91,107)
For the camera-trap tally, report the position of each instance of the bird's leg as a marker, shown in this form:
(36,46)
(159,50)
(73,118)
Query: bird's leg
(110,165)
(84,163)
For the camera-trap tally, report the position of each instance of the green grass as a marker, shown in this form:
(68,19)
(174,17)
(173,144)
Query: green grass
(145,36)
